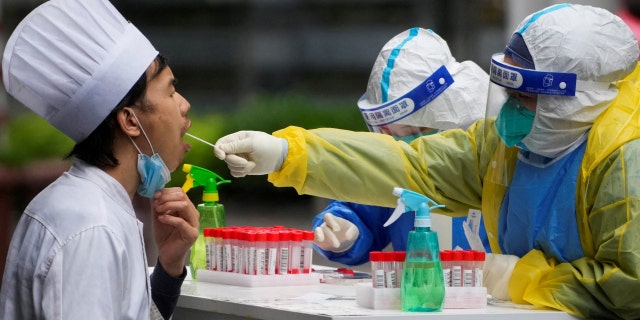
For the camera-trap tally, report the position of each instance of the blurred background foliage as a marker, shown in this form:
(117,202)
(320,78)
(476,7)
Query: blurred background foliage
(264,112)
(28,138)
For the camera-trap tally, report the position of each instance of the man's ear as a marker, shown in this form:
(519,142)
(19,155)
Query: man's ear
(128,122)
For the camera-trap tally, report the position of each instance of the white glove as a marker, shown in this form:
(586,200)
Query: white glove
(336,234)
(496,274)
(251,152)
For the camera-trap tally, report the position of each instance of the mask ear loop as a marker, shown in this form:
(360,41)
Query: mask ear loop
(145,136)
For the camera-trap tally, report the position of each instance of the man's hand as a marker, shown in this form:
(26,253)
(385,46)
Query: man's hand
(175,228)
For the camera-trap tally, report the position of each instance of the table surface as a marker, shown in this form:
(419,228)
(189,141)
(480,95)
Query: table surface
(202,300)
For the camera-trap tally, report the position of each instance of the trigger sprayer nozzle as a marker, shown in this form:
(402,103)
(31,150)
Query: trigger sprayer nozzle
(197,176)
(413,201)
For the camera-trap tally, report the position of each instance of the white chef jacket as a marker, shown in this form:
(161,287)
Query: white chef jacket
(77,253)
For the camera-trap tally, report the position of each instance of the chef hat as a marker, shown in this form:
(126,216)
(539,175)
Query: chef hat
(72,62)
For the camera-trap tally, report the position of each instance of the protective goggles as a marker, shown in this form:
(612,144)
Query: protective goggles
(414,100)
(538,82)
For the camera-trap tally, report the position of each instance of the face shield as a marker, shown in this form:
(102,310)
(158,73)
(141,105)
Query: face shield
(514,94)
(388,117)
(512,102)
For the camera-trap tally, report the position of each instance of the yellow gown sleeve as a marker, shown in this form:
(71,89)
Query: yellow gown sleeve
(364,167)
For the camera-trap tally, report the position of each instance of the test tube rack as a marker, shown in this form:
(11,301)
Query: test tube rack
(389,298)
(252,280)
(258,256)
(462,272)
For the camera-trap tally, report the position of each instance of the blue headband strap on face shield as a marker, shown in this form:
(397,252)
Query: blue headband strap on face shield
(409,103)
(539,82)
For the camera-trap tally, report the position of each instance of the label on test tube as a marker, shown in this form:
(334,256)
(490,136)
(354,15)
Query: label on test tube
(390,278)
(235,250)
(261,252)
(456,269)
(226,250)
(283,252)
(377,269)
(208,241)
(445,257)
(218,249)
(468,268)
(273,237)
(250,253)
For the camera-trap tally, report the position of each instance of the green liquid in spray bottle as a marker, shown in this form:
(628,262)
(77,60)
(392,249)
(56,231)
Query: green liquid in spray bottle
(422,288)
(211,211)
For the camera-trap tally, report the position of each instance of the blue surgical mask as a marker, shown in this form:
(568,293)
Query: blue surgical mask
(514,122)
(154,174)
(414,136)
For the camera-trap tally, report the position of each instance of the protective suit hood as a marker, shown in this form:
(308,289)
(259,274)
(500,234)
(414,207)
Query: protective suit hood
(407,60)
(560,40)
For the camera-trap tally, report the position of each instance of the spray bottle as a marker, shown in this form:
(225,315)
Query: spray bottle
(211,211)
(422,287)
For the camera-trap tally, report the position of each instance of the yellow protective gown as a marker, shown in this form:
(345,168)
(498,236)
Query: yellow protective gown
(459,169)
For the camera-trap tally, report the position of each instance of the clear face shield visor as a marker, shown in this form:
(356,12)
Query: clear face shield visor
(388,117)
(508,120)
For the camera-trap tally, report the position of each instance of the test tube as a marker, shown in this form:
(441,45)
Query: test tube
(217,233)
(235,250)
(212,247)
(445,257)
(456,268)
(295,252)
(273,237)
(261,252)
(250,252)
(479,265)
(226,250)
(468,268)
(390,277)
(307,251)
(401,256)
(283,252)
(208,241)
(377,268)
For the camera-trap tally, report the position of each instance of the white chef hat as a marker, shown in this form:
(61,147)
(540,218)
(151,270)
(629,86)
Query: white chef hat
(72,62)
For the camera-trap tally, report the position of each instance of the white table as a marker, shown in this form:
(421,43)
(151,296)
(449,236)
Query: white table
(202,300)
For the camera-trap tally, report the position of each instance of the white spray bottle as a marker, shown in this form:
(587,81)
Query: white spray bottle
(422,287)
